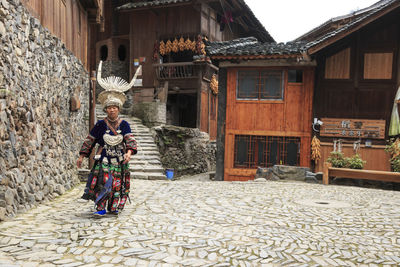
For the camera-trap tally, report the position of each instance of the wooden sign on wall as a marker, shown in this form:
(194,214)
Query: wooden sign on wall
(353,128)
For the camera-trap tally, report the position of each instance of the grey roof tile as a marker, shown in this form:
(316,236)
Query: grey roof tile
(150,4)
(359,17)
(251,47)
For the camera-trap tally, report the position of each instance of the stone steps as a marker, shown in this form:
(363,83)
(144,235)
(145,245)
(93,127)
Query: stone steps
(146,164)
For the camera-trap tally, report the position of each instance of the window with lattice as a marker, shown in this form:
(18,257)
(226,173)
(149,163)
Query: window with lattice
(266,151)
(260,85)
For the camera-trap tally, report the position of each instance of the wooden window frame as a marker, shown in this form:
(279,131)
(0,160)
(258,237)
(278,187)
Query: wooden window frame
(252,152)
(259,84)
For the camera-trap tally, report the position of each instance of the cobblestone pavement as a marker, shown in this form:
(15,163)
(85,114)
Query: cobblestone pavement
(190,223)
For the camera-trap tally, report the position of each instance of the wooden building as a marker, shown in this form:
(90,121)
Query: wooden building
(357,77)
(167,39)
(69,20)
(265,106)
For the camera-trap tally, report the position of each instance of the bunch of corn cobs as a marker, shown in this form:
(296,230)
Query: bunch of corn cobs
(315,149)
(176,46)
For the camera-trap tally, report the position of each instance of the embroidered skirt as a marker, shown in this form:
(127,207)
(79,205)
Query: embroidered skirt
(108,185)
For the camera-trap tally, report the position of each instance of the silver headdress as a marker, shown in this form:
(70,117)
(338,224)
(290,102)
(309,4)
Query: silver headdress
(114,88)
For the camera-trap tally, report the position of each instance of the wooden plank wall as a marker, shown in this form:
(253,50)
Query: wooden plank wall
(290,117)
(204,111)
(374,52)
(67,20)
(213,116)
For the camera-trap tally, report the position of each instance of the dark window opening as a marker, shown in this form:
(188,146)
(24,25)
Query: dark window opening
(266,151)
(122,53)
(181,56)
(103,53)
(295,76)
(182,110)
(260,85)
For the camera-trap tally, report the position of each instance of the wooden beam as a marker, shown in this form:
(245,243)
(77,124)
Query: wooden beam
(359,174)
(268,63)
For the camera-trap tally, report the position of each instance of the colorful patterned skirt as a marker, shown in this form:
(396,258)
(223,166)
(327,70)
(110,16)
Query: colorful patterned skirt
(108,186)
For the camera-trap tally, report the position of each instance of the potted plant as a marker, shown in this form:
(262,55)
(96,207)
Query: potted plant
(393,148)
(338,160)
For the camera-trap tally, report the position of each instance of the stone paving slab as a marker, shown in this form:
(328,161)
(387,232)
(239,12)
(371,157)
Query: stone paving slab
(191,223)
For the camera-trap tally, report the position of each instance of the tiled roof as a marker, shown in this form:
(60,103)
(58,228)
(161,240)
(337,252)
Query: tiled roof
(247,17)
(251,47)
(355,19)
(150,4)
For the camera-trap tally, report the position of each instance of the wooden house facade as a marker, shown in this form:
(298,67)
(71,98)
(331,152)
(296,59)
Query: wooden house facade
(265,106)
(167,39)
(357,77)
(69,20)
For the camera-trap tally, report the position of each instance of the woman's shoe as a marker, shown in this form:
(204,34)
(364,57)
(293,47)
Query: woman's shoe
(115,212)
(100,213)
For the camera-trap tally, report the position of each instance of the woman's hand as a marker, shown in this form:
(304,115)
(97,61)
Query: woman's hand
(79,161)
(127,156)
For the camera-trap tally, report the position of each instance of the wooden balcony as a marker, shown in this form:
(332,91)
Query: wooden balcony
(176,71)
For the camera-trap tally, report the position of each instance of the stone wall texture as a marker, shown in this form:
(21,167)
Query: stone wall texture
(186,150)
(151,113)
(39,135)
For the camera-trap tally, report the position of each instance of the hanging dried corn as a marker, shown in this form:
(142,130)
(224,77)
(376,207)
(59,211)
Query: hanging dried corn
(198,45)
(315,149)
(162,48)
(214,84)
(156,51)
(202,48)
(181,44)
(175,46)
(188,44)
(193,46)
(168,47)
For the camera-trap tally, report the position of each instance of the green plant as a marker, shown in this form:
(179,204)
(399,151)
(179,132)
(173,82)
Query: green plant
(355,162)
(338,160)
(393,148)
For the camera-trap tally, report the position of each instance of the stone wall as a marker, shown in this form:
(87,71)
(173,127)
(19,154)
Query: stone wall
(186,150)
(151,113)
(39,135)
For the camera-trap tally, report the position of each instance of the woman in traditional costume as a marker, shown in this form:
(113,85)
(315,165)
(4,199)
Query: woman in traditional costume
(108,183)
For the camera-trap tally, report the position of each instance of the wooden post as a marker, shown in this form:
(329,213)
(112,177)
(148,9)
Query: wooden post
(92,110)
(325,176)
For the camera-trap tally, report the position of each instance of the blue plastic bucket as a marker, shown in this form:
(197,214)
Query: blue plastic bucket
(169,173)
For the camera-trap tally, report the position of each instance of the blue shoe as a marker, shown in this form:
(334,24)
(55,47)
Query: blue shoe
(100,212)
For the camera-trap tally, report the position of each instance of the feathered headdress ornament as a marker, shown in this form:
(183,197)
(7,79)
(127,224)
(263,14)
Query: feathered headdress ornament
(114,88)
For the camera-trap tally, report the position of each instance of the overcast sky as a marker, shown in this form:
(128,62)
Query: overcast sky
(287,19)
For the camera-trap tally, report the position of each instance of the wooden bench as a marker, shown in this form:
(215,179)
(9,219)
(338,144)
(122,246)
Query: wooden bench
(385,176)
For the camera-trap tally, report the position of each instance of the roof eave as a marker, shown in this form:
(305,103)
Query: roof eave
(317,47)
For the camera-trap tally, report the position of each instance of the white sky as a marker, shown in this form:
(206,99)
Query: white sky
(286,20)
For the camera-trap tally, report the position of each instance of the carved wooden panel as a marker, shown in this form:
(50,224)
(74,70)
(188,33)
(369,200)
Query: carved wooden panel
(353,128)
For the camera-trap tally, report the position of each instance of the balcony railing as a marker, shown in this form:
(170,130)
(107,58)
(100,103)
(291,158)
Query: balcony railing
(171,71)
